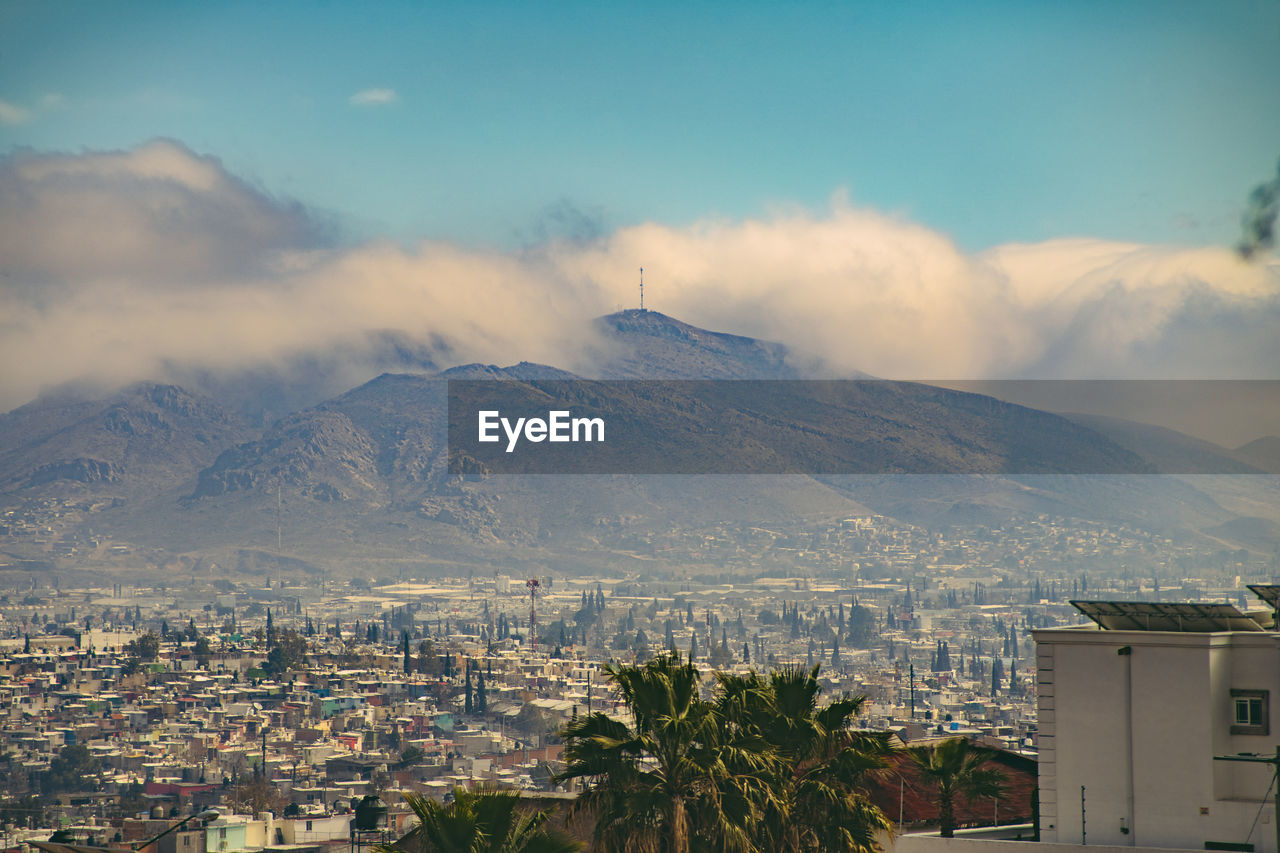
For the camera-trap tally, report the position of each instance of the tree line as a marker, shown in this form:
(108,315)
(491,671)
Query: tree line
(761,765)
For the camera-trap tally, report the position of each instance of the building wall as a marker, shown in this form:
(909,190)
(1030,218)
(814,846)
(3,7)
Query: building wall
(237,833)
(224,838)
(1139,733)
(936,844)
(188,841)
(309,830)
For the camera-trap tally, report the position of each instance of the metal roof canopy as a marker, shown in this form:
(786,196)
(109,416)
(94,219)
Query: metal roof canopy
(54,847)
(1270,593)
(1186,618)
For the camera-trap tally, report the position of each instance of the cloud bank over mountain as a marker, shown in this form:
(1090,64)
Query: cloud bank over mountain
(117,266)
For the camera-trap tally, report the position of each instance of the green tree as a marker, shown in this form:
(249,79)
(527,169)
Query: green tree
(202,650)
(429,661)
(482,695)
(27,811)
(669,782)
(816,798)
(145,648)
(479,821)
(956,767)
(289,652)
(73,769)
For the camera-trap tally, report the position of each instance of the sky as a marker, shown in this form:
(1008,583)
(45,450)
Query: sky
(992,122)
(973,189)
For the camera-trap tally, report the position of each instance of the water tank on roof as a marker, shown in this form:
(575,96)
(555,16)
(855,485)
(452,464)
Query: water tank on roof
(371,813)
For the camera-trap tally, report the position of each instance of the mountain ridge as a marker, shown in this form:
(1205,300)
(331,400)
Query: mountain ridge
(362,475)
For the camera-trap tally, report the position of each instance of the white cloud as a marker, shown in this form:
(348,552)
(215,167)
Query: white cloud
(13,114)
(373,97)
(853,288)
(155,212)
(119,266)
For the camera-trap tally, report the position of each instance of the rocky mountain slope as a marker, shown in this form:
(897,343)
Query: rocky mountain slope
(146,438)
(361,480)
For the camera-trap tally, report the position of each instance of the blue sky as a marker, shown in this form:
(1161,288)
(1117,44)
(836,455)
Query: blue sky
(988,122)
(957,190)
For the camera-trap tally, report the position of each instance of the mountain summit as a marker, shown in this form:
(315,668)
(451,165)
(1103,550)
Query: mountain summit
(651,345)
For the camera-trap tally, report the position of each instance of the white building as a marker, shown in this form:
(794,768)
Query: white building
(1138,712)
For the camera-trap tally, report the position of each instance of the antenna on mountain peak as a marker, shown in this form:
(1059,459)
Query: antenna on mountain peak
(641,288)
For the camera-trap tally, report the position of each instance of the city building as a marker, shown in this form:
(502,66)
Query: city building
(1156,726)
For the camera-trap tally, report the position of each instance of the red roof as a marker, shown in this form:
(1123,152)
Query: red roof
(902,788)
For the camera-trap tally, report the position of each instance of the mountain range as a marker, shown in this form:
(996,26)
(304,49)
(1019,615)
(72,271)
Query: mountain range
(157,476)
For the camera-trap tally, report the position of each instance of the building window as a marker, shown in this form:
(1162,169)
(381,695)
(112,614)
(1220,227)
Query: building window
(1250,712)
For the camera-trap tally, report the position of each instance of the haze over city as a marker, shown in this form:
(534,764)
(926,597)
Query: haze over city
(485,420)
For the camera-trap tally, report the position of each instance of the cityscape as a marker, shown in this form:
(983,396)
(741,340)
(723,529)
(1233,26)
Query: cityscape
(639,427)
(283,702)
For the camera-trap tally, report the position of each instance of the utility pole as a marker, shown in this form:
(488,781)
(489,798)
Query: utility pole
(1274,761)
(533,585)
(641,288)
(911,675)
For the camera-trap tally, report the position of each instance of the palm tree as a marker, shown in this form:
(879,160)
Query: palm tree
(815,796)
(665,783)
(480,821)
(955,766)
